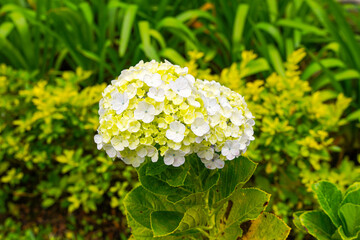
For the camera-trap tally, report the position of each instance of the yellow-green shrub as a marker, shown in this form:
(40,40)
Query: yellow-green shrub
(47,153)
(294,127)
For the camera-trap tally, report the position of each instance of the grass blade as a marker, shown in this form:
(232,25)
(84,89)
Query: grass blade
(276,60)
(127,25)
(148,49)
(273,31)
(173,56)
(239,24)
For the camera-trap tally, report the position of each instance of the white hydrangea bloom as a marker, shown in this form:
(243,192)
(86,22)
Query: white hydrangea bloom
(159,111)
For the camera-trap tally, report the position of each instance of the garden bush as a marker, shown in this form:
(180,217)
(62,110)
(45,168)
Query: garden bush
(43,123)
(294,128)
(339,217)
(185,136)
(55,57)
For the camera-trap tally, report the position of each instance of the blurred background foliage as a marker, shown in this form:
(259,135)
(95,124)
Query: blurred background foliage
(297,62)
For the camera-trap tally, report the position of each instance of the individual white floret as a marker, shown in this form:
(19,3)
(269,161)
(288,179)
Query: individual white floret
(134,160)
(153,153)
(213,163)
(181,87)
(191,79)
(176,132)
(249,131)
(236,117)
(99,141)
(206,153)
(110,151)
(153,80)
(200,127)
(119,143)
(231,149)
(119,102)
(191,100)
(145,112)
(212,106)
(174,157)
(158,94)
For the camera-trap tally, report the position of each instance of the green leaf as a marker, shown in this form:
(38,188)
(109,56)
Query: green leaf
(239,23)
(149,50)
(194,217)
(235,174)
(257,66)
(48,202)
(175,176)
(316,67)
(87,12)
(273,31)
(297,24)
(329,197)
(140,203)
(348,74)
(326,95)
(318,224)
(155,168)
(242,205)
(352,187)
(138,230)
(352,196)
(273,10)
(173,56)
(164,223)
(157,35)
(267,226)
(158,185)
(276,60)
(127,25)
(8,49)
(297,221)
(340,233)
(193,14)
(350,217)
(23,29)
(354,116)
(175,24)
(200,179)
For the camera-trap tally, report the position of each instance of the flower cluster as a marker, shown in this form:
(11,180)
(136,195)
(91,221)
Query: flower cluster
(158,108)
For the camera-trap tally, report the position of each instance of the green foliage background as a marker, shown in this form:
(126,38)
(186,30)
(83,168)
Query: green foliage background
(57,57)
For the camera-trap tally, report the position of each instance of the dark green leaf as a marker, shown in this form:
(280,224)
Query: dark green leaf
(350,218)
(164,223)
(318,224)
(329,197)
(235,174)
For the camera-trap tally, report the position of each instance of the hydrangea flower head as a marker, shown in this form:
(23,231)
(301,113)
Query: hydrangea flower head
(158,109)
